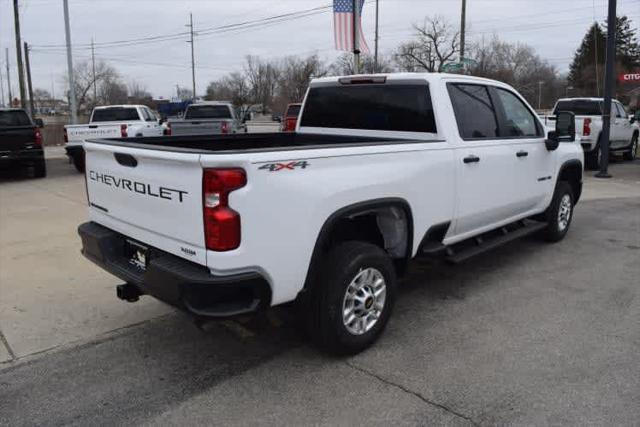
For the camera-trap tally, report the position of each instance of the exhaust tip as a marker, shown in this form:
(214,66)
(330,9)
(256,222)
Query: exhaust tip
(128,292)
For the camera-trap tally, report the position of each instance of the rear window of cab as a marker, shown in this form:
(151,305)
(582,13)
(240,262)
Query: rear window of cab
(384,107)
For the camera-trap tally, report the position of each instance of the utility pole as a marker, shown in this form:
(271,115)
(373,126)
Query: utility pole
(193,61)
(29,86)
(375,55)
(356,36)
(463,22)
(1,90)
(609,80)
(6,53)
(540,83)
(93,66)
(72,87)
(16,21)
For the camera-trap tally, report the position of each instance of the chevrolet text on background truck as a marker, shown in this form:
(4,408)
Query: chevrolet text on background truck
(381,169)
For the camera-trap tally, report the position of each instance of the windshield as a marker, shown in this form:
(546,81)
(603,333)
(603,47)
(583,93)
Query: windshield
(115,114)
(580,107)
(389,107)
(208,112)
(293,111)
(14,118)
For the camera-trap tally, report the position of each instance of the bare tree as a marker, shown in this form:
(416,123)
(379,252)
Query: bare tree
(436,43)
(295,75)
(83,79)
(344,65)
(233,88)
(184,94)
(138,92)
(262,78)
(40,97)
(517,64)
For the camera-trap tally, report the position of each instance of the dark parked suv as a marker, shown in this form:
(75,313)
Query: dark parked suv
(21,142)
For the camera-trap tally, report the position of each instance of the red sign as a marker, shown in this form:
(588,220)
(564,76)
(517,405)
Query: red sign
(629,78)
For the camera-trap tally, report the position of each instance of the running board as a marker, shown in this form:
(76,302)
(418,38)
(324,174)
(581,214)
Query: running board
(487,242)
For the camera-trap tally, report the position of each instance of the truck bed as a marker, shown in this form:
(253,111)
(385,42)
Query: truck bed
(246,142)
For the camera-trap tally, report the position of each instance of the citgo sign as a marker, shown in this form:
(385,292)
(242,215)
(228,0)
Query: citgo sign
(629,78)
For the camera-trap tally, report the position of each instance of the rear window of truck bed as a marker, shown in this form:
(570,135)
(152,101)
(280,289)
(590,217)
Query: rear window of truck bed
(386,107)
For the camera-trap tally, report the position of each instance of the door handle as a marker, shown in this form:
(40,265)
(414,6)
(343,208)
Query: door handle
(522,154)
(471,159)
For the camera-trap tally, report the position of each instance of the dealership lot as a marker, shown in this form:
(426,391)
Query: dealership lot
(528,334)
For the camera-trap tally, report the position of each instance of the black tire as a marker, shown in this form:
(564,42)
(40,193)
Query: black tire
(556,227)
(633,149)
(78,161)
(40,169)
(592,158)
(343,264)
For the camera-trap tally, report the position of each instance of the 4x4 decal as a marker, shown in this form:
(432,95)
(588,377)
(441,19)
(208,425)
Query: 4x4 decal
(275,167)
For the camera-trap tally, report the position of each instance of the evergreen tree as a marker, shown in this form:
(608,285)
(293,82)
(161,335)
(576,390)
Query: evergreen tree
(588,62)
(627,47)
(586,72)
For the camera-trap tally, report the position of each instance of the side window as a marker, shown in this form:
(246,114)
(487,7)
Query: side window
(621,111)
(475,113)
(148,115)
(520,121)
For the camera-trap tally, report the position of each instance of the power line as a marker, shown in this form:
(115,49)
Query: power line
(256,23)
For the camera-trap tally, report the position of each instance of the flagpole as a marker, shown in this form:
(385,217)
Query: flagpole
(356,36)
(375,56)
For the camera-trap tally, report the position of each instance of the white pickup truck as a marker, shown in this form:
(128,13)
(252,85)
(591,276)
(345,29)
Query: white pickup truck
(111,121)
(588,111)
(381,169)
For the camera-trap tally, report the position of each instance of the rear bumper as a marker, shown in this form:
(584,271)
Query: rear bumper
(176,281)
(74,149)
(30,156)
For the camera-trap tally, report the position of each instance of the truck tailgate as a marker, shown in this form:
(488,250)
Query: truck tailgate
(149,195)
(196,127)
(16,138)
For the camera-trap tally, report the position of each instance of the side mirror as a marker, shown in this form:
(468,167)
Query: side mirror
(565,127)
(39,123)
(632,119)
(552,142)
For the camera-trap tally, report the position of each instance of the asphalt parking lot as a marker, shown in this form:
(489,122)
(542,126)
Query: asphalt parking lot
(531,333)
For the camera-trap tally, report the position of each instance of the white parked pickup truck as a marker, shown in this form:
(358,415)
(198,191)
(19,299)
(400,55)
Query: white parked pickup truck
(588,111)
(381,169)
(111,121)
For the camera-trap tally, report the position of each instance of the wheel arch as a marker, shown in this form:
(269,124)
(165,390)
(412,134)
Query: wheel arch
(571,171)
(380,208)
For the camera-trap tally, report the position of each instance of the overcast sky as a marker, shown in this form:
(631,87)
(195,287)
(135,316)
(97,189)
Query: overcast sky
(554,28)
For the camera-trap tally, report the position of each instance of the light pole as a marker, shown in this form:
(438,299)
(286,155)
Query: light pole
(72,87)
(540,83)
(609,80)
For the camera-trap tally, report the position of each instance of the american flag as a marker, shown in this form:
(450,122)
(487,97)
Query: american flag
(343,26)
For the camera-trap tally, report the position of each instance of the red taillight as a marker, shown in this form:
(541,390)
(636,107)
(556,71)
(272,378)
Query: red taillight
(123,131)
(37,137)
(224,127)
(221,223)
(167,131)
(66,137)
(586,127)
